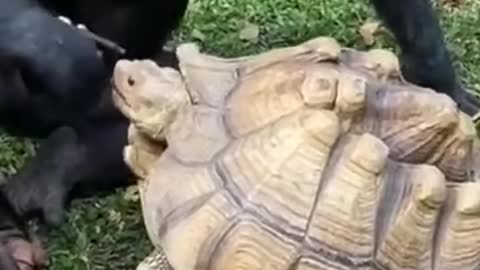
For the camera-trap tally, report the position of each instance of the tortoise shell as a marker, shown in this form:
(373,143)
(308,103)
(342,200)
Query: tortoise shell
(307,157)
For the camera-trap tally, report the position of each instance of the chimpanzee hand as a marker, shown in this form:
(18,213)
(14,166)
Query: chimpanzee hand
(19,248)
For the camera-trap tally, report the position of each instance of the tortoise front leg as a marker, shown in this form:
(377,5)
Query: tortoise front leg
(157,260)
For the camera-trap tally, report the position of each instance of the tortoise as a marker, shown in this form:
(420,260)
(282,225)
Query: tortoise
(314,156)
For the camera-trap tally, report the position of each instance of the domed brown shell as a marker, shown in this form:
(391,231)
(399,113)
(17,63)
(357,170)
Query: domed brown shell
(307,157)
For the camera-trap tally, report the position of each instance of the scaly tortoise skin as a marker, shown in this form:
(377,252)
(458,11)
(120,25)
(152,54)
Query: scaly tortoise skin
(307,157)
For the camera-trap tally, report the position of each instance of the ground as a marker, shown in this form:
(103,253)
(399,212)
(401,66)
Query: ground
(108,233)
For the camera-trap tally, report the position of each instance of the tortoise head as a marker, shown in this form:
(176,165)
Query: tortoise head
(148,95)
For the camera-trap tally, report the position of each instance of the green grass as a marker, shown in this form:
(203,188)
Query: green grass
(108,233)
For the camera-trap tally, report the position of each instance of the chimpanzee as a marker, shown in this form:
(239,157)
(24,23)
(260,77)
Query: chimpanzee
(86,144)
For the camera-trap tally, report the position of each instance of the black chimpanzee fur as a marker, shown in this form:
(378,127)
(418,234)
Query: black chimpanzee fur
(46,67)
(50,74)
(141,26)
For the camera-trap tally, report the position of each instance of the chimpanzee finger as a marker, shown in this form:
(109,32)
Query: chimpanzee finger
(7,262)
(27,255)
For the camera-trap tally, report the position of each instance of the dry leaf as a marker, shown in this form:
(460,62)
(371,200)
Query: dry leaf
(368,31)
(250,32)
(450,5)
(131,194)
(198,35)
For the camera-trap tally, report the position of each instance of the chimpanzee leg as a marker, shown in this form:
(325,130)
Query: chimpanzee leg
(40,187)
(71,163)
(425,59)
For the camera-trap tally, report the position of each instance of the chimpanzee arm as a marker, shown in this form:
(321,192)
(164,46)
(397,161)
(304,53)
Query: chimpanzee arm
(425,59)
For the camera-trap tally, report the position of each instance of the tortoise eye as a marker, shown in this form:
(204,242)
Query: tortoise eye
(131,81)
